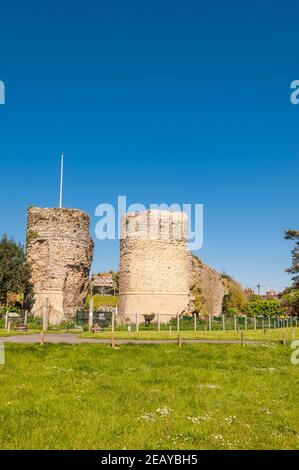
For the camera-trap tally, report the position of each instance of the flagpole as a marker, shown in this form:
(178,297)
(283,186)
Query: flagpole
(61,182)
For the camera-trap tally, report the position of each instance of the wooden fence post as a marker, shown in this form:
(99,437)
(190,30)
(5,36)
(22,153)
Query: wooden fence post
(269,322)
(235,322)
(159,323)
(113,321)
(178,322)
(90,314)
(242,338)
(136,320)
(210,322)
(46,314)
(42,338)
(180,340)
(254,321)
(194,317)
(112,341)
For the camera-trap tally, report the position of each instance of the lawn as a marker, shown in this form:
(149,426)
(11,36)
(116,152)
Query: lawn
(150,397)
(250,335)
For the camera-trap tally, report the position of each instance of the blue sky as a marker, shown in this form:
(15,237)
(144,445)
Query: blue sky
(161,101)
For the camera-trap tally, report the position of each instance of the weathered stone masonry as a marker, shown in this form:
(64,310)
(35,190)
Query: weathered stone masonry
(155,269)
(59,250)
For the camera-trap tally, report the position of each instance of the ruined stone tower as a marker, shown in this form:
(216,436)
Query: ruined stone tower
(155,267)
(59,250)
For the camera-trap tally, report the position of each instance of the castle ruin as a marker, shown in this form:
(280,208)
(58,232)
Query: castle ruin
(59,250)
(155,268)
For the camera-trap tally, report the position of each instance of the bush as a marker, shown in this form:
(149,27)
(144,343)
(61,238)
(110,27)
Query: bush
(269,308)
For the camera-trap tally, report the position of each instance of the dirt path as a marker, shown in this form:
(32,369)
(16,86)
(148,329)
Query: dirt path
(74,339)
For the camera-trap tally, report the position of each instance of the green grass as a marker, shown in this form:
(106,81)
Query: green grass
(258,335)
(149,397)
(102,301)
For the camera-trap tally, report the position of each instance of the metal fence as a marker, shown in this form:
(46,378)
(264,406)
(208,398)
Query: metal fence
(110,320)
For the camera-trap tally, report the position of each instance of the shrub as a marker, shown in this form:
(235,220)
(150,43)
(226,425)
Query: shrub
(269,308)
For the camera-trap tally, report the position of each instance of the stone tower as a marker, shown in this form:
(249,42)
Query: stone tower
(155,264)
(59,250)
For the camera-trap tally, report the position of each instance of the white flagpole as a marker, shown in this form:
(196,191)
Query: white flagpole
(61,182)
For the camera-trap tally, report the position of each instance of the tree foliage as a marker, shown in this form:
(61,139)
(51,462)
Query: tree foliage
(269,308)
(235,299)
(14,271)
(294,268)
(290,300)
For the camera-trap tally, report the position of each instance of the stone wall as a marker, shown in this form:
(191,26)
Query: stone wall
(155,269)
(210,286)
(59,250)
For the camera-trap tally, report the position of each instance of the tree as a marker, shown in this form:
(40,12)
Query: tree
(294,269)
(269,308)
(235,299)
(14,271)
(290,300)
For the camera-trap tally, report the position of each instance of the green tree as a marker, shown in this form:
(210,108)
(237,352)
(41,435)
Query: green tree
(290,300)
(235,299)
(14,271)
(269,308)
(294,269)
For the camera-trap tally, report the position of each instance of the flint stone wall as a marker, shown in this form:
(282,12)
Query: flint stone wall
(59,250)
(155,268)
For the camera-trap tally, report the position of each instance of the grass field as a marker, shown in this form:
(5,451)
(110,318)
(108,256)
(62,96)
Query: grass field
(250,335)
(150,397)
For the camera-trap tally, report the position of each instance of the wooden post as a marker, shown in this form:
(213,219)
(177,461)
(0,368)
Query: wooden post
(136,321)
(8,325)
(178,322)
(90,315)
(235,322)
(42,338)
(112,341)
(269,322)
(46,314)
(159,324)
(129,329)
(223,322)
(210,322)
(194,317)
(254,321)
(26,316)
(242,338)
(205,329)
(113,321)
(180,340)
(6,320)
(169,330)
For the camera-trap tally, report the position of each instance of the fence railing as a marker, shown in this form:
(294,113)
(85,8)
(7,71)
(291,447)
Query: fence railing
(160,322)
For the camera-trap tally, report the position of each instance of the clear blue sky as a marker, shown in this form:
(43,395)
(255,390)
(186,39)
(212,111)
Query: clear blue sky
(162,101)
